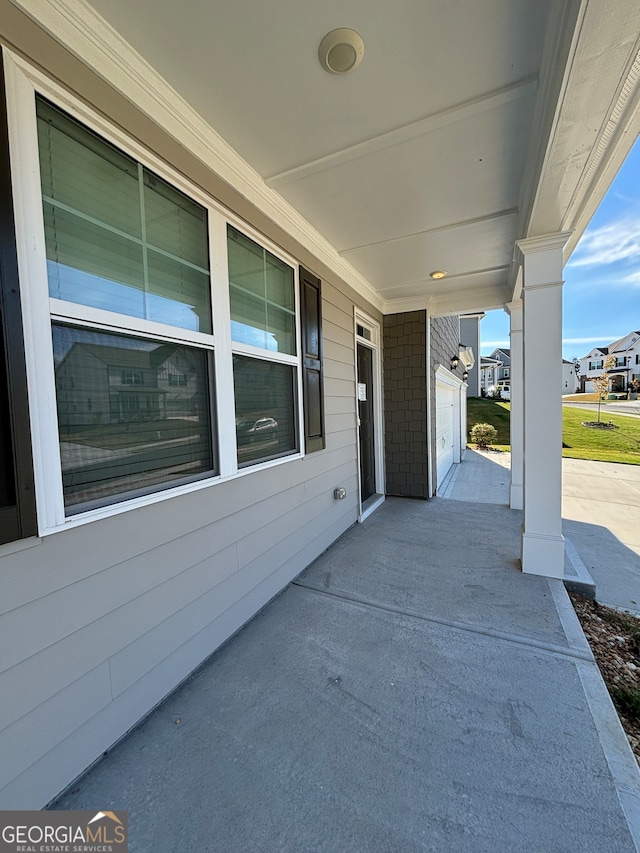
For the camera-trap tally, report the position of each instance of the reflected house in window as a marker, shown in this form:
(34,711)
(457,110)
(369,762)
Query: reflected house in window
(132,414)
(109,384)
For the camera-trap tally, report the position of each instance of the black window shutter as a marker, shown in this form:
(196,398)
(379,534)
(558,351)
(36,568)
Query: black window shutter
(17,496)
(311,324)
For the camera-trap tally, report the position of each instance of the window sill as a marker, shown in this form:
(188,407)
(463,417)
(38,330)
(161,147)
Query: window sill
(157,497)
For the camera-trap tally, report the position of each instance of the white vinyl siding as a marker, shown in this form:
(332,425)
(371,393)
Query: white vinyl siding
(111,616)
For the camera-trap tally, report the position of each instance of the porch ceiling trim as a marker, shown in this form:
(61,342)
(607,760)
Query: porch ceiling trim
(82,31)
(584,132)
(397,136)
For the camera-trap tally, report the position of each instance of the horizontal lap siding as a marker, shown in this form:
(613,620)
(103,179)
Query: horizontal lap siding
(99,623)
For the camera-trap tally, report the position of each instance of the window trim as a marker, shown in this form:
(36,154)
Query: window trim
(23,82)
(18,520)
(295,361)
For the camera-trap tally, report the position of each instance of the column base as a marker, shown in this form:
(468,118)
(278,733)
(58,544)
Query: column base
(543,555)
(516,496)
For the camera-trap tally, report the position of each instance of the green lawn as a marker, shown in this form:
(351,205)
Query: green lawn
(494,412)
(616,445)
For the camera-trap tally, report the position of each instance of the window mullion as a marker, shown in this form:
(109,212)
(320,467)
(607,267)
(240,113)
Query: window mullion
(223,348)
(143,233)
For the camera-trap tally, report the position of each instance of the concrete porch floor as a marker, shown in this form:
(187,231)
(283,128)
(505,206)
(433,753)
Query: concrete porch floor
(412,690)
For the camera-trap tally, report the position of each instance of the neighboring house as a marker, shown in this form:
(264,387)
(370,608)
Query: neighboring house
(496,369)
(625,351)
(489,372)
(503,372)
(470,335)
(227,329)
(569,377)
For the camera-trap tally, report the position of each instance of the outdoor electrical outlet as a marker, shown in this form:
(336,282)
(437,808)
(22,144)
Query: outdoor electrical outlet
(340,494)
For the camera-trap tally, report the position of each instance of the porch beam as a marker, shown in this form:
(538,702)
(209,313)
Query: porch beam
(516,485)
(542,539)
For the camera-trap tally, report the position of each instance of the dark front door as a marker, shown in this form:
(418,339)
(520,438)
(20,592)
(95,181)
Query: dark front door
(365,414)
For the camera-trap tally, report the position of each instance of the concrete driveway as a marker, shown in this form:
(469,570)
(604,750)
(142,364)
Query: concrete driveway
(601,509)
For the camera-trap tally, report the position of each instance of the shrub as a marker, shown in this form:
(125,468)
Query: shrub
(494,392)
(483,434)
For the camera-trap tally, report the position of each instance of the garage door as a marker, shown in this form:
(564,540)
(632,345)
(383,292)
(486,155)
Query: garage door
(445,429)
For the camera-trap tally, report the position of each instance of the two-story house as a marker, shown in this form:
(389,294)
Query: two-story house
(496,369)
(625,351)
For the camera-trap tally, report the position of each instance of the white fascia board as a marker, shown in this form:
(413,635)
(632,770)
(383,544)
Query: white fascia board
(464,301)
(82,31)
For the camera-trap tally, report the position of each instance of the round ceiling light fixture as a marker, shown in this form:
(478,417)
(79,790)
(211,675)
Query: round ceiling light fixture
(438,274)
(341,50)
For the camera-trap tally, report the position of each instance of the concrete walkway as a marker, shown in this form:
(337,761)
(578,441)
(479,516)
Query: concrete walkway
(483,476)
(601,518)
(411,691)
(601,511)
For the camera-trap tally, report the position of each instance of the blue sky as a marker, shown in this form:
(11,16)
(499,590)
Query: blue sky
(602,278)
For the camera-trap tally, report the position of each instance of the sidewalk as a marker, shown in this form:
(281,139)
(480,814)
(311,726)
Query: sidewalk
(412,690)
(601,511)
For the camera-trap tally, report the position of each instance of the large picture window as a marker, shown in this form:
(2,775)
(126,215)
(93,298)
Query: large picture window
(134,411)
(150,372)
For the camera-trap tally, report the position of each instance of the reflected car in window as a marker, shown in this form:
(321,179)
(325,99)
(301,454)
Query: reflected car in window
(251,430)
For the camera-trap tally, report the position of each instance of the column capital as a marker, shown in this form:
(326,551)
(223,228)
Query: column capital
(544,243)
(541,260)
(515,312)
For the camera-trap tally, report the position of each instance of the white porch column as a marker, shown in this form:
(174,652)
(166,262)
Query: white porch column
(542,539)
(516,486)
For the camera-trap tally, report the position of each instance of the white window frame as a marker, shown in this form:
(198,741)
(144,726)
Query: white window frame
(23,82)
(238,348)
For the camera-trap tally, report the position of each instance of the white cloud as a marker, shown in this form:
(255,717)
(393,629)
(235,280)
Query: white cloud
(632,278)
(617,241)
(494,344)
(602,339)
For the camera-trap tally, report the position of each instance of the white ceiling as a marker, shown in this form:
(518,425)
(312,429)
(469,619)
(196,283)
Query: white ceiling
(441,149)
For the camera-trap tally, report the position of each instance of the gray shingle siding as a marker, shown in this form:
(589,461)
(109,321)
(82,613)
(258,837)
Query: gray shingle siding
(405,395)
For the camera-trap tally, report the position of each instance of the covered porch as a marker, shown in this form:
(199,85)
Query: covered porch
(411,690)
(405,689)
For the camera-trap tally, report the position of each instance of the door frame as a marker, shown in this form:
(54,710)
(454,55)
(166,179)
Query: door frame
(450,380)
(370,339)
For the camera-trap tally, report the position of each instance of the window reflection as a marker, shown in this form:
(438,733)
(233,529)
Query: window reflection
(265,409)
(132,413)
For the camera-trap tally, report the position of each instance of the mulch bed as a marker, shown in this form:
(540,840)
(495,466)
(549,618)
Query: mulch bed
(614,638)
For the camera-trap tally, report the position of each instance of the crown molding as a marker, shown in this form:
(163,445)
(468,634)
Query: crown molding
(82,31)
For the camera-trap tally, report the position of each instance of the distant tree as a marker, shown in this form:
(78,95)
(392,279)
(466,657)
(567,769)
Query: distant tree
(576,366)
(601,382)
